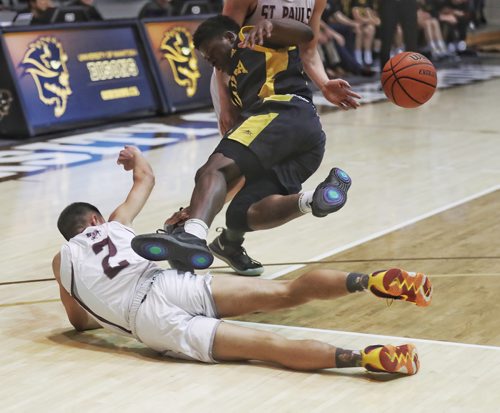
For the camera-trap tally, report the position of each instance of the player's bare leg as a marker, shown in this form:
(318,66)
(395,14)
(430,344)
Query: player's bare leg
(235,296)
(234,343)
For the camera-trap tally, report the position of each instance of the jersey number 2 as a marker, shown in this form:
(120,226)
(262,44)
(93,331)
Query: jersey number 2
(110,271)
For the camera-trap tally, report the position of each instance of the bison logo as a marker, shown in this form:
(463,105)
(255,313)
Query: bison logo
(45,61)
(178,48)
(5,102)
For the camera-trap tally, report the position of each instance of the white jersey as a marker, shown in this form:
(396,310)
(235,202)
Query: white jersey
(102,272)
(300,10)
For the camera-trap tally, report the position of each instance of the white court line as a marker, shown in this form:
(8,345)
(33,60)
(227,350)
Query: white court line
(383,232)
(348,333)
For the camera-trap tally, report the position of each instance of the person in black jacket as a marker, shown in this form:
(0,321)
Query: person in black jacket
(392,13)
(92,12)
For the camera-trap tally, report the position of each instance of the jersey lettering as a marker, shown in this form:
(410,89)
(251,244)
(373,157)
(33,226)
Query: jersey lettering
(268,11)
(300,14)
(110,271)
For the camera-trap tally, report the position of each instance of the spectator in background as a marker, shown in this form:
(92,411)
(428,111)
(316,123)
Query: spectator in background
(454,14)
(343,33)
(158,8)
(364,14)
(478,16)
(392,13)
(428,22)
(41,10)
(92,12)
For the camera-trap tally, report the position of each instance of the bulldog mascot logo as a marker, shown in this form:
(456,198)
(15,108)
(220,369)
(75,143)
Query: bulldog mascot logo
(177,46)
(45,61)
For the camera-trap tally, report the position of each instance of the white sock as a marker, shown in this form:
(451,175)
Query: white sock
(442,46)
(368,57)
(359,56)
(197,228)
(305,200)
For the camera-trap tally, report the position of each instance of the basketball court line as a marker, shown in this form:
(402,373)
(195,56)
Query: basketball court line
(353,334)
(383,232)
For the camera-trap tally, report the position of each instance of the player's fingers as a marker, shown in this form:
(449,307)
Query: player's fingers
(353,94)
(350,103)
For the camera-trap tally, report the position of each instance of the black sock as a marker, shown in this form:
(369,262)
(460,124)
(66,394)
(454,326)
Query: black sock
(233,236)
(347,358)
(356,282)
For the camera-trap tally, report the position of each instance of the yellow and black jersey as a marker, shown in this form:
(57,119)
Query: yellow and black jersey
(262,72)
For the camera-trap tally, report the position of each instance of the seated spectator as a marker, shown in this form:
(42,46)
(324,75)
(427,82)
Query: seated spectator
(454,14)
(345,59)
(341,24)
(41,10)
(364,14)
(428,22)
(328,52)
(341,30)
(92,12)
(158,8)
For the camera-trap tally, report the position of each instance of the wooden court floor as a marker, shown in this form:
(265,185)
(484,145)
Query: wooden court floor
(425,196)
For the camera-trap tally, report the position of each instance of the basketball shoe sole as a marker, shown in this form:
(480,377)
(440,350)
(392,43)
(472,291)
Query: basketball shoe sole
(331,194)
(186,250)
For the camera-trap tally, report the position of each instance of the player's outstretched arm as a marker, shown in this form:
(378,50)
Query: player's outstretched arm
(132,159)
(277,33)
(78,317)
(336,91)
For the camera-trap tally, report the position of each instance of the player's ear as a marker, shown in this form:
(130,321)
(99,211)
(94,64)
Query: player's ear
(96,220)
(231,36)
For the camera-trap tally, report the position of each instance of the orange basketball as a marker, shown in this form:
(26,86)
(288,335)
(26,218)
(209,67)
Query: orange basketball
(409,79)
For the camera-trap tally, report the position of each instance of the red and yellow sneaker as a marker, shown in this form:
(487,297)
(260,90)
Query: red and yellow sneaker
(398,284)
(391,359)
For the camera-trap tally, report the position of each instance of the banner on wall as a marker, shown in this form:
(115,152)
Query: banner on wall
(73,76)
(183,75)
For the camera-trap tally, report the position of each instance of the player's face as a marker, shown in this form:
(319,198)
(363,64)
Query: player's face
(217,51)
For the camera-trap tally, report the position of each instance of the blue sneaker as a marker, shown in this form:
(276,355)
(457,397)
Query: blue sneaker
(331,194)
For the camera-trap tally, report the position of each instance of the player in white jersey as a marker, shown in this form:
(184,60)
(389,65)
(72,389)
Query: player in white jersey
(104,283)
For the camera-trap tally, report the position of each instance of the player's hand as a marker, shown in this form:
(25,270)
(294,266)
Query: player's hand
(338,92)
(260,32)
(178,218)
(228,118)
(128,157)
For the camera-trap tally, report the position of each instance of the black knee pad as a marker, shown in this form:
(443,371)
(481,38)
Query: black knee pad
(252,192)
(236,214)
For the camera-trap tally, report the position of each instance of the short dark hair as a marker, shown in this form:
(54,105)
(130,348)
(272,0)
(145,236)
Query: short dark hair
(73,218)
(214,27)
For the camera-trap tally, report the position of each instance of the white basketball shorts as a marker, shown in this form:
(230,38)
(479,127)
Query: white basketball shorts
(178,316)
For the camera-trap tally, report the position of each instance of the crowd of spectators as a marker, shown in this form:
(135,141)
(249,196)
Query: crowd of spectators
(356,37)
(359,36)
(46,11)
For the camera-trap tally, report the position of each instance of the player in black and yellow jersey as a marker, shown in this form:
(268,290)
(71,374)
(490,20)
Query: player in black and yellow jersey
(277,144)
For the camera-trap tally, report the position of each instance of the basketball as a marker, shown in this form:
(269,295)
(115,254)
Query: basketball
(409,79)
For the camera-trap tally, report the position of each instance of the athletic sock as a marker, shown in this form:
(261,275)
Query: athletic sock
(347,358)
(305,201)
(368,57)
(197,228)
(356,282)
(358,55)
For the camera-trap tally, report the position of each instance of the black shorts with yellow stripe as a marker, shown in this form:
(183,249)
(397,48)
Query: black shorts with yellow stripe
(280,136)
